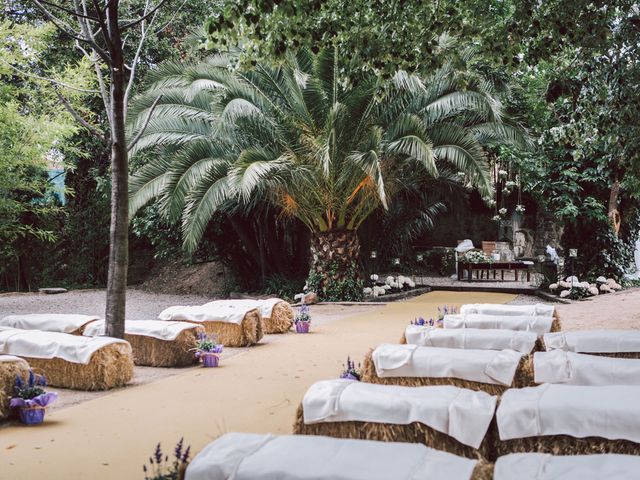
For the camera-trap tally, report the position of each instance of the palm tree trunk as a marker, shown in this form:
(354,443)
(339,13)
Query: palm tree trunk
(334,263)
(119,229)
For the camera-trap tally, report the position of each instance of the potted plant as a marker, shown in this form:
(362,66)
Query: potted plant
(351,372)
(30,398)
(303,319)
(208,350)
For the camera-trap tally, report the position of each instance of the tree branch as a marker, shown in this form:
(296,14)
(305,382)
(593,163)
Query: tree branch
(66,28)
(95,131)
(46,79)
(71,12)
(143,17)
(144,125)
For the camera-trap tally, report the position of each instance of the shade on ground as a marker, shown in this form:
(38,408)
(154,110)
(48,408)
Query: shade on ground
(257,391)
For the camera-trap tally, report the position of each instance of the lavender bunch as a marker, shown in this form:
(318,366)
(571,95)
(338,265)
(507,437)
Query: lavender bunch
(446,310)
(303,314)
(351,372)
(206,343)
(31,393)
(160,468)
(421,322)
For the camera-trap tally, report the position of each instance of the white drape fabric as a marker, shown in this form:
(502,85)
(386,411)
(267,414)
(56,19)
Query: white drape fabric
(248,456)
(460,413)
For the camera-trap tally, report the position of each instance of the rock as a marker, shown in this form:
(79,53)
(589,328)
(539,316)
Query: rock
(604,288)
(573,279)
(52,291)
(601,279)
(565,293)
(593,290)
(553,287)
(563,284)
(310,298)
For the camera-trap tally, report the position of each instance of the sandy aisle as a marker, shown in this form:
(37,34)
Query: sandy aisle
(258,390)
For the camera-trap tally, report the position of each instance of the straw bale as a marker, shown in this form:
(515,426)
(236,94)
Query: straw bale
(556,326)
(281,319)
(483,471)
(9,370)
(412,433)
(564,445)
(249,332)
(154,352)
(522,378)
(111,366)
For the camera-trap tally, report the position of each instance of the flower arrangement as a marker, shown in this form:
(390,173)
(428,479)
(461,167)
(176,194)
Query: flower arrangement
(31,399)
(502,211)
(476,256)
(496,218)
(351,372)
(446,310)
(160,468)
(502,173)
(520,208)
(208,350)
(399,283)
(302,319)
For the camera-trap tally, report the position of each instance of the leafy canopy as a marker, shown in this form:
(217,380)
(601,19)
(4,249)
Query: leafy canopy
(303,139)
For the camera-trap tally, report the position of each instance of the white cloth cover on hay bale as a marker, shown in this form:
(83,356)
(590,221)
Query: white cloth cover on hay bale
(250,456)
(218,311)
(594,341)
(12,358)
(611,412)
(537,310)
(264,305)
(486,366)
(538,325)
(38,344)
(149,328)
(48,322)
(458,412)
(471,338)
(571,368)
(543,466)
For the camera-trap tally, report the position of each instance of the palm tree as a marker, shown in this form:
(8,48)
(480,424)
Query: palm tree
(303,139)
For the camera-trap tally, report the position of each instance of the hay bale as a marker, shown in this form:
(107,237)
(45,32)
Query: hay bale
(111,366)
(522,378)
(483,471)
(154,352)
(556,326)
(248,332)
(412,433)
(565,445)
(10,368)
(281,319)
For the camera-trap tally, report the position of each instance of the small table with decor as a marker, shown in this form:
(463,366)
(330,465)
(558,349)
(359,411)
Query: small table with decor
(494,267)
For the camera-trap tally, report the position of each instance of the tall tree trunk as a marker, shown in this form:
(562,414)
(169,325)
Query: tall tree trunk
(334,263)
(119,229)
(613,213)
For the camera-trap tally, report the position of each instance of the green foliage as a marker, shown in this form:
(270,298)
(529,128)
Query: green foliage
(151,225)
(340,285)
(282,286)
(369,35)
(577,293)
(32,131)
(297,138)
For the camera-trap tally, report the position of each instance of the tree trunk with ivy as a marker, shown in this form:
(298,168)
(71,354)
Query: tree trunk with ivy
(334,273)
